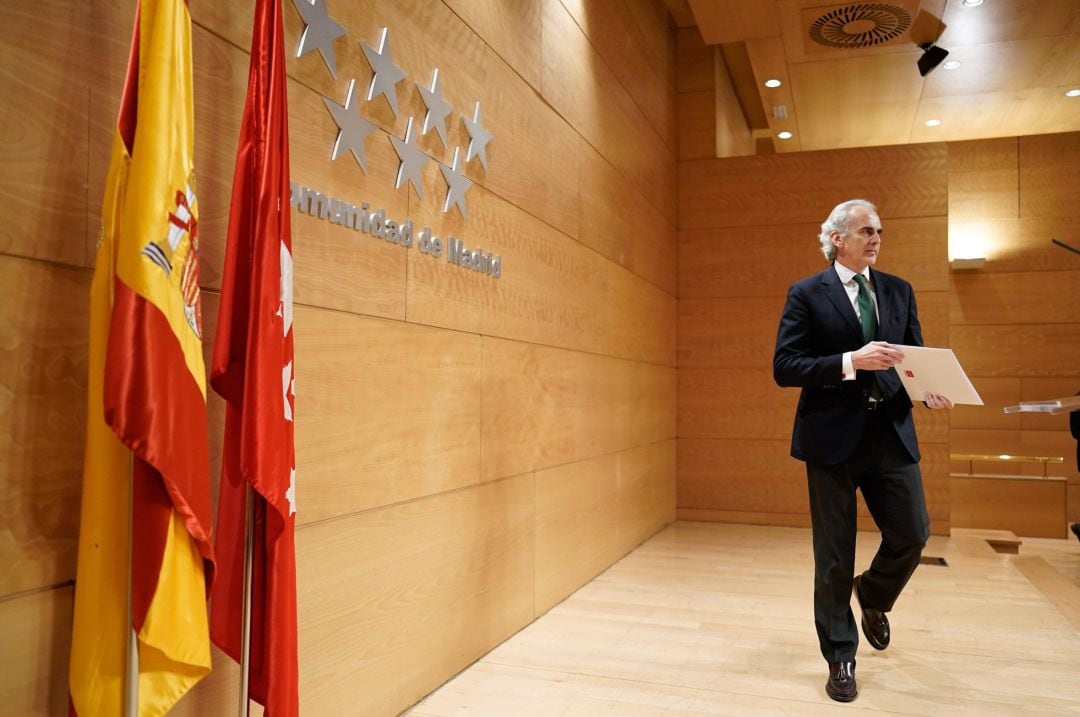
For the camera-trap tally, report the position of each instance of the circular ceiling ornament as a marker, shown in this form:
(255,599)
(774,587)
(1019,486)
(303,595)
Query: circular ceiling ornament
(860,25)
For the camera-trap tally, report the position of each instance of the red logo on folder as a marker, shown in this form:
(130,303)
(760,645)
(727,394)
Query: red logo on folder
(909,374)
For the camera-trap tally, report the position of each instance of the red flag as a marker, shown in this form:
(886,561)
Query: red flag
(252,369)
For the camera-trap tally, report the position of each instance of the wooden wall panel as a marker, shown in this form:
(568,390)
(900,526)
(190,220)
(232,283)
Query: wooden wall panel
(728,333)
(1029,508)
(727,261)
(697,125)
(397,600)
(619,224)
(44,92)
(633,40)
(575,535)
(734,403)
(42,420)
(34,665)
(583,89)
(386,412)
(904,181)
(1016,245)
(983,179)
(695,63)
(645,498)
(1050,175)
(553,290)
(544,407)
(1047,297)
(1018,350)
(512,29)
(752,476)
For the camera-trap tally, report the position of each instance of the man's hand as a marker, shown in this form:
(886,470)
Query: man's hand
(876,356)
(934,400)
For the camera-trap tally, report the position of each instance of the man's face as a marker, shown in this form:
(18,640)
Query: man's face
(858,247)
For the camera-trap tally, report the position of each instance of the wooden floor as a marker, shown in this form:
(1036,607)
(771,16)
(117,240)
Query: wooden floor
(714,619)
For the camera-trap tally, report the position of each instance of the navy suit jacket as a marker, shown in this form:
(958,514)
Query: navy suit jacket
(817,326)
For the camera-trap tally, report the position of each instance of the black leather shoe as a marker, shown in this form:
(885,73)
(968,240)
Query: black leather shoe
(841,685)
(1075,527)
(875,625)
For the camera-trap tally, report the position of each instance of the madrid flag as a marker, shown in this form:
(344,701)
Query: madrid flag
(146,418)
(253,371)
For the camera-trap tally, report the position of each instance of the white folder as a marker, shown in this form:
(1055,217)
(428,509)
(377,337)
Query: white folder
(937,371)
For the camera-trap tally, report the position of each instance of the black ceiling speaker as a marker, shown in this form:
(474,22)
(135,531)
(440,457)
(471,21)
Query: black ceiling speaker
(931,57)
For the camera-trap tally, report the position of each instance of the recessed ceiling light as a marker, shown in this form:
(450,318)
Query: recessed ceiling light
(972,3)
(1072,93)
(932,122)
(951,64)
(773,82)
(784,135)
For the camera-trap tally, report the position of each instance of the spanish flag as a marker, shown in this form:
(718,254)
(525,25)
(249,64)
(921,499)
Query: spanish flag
(146,468)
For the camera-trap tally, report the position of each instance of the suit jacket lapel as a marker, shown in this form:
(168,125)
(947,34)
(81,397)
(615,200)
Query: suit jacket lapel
(838,296)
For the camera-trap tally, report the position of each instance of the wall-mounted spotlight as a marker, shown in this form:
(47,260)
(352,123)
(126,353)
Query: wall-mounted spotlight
(931,57)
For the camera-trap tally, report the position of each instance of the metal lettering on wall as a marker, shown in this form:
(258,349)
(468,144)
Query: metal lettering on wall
(319,33)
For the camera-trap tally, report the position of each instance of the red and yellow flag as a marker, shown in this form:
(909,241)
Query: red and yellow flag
(253,371)
(146,469)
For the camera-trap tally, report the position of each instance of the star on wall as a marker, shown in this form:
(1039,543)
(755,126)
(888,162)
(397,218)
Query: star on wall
(412,160)
(353,129)
(457,184)
(479,137)
(319,33)
(437,107)
(387,74)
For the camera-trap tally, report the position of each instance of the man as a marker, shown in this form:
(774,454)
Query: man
(837,341)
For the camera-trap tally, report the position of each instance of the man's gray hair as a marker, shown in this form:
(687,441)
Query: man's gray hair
(838,221)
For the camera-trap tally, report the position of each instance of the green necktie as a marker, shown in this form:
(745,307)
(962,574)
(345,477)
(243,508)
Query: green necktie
(866,309)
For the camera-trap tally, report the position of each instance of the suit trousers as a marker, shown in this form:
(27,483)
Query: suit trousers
(891,485)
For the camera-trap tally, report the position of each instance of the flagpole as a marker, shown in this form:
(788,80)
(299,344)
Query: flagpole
(131,675)
(245,620)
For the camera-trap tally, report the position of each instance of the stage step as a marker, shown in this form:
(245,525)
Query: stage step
(1002,541)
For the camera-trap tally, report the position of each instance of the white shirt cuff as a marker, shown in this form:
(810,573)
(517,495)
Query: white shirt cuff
(846,367)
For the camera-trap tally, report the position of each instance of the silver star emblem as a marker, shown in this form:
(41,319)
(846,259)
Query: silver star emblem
(319,32)
(412,160)
(437,107)
(352,128)
(457,184)
(479,137)
(387,74)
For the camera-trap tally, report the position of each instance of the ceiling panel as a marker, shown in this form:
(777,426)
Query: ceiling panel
(1016,65)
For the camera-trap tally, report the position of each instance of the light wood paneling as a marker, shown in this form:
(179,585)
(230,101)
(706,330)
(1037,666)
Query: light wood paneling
(511,28)
(1029,508)
(727,262)
(752,476)
(42,420)
(553,290)
(695,65)
(386,412)
(733,134)
(621,225)
(43,97)
(397,600)
(1028,350)
(697,125)
(734,403)
(544,407)
(983,179)
(1019,244)
(996,393)
(1047,297)
(645,498)
(796,188)
(1049,175)
(633,39)
(575,534)
(728,333)
(735,20)
(583,89)
(37,633)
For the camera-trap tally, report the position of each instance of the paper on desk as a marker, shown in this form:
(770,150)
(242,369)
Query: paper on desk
(937,371)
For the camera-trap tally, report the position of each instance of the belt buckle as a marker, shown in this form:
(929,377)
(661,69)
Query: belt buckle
(872,404)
